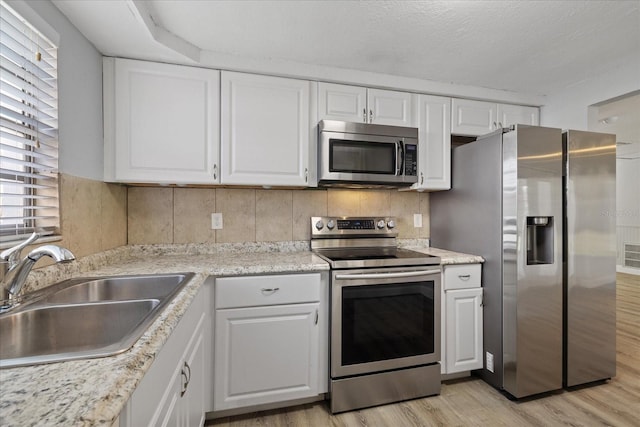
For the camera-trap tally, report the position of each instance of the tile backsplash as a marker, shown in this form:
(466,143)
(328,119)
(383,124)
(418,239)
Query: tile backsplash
(97,216)
(183,215)
(93,217)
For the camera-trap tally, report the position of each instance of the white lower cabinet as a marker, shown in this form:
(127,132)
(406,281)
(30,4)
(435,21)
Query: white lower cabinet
(270,339)
(464,329)
(176,390)
(461,345)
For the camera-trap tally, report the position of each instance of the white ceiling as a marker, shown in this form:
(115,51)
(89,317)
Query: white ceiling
(534,47)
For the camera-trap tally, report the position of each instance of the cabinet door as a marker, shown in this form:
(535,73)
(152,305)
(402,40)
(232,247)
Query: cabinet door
(158,400)
(517,114)
(473,118)
(434,151)
(388,107)
(265,130)
(463,330)
(342,102)
(265,355)
(193,391)
(161,123)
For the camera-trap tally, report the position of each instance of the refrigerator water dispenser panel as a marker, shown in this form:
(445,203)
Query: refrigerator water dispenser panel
(539,240)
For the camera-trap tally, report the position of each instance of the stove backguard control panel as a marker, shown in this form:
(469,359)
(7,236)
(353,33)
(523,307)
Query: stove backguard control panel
(325,226)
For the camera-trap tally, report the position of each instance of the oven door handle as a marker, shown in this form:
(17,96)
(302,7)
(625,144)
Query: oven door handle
(385,275)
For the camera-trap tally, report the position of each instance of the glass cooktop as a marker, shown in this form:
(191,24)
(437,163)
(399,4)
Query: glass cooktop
(375,257)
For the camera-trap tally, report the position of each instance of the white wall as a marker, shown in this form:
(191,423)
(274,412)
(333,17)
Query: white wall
(568,109)
(79,93)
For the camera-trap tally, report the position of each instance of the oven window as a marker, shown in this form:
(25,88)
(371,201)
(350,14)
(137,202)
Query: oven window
(382,322)
(362,157)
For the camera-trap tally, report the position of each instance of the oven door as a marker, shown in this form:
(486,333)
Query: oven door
(384,319)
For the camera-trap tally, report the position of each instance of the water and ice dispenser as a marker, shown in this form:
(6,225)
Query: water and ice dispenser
(539,240)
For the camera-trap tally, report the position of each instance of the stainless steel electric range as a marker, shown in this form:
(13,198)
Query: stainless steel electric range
(385,313)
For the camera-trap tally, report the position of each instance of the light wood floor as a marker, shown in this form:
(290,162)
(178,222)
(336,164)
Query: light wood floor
(471,402)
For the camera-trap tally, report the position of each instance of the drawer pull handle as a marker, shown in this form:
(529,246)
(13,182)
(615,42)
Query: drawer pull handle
(464,276)
(269,290)
(317,315)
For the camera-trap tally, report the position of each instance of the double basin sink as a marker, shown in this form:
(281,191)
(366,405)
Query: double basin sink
(85,318)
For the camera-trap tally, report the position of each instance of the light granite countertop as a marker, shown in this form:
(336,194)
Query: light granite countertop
(93,392)
(448,257)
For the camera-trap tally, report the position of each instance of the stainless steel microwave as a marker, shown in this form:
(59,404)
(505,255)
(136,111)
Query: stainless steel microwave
(366,155)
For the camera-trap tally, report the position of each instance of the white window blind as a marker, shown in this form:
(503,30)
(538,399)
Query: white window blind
(28,130)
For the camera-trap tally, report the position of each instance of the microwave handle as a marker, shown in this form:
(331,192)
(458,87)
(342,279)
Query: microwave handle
(399,157)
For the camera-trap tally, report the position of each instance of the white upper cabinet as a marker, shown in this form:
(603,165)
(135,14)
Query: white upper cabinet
(518,114)
(266,130)
(161,123)
(475,118)
(342,102)
(434,151)
(388,107)
(359,104)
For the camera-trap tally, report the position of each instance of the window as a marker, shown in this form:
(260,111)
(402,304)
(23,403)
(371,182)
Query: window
(28,130)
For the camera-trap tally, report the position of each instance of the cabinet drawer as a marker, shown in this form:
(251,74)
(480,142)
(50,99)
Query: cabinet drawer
(462,276)
(251,291)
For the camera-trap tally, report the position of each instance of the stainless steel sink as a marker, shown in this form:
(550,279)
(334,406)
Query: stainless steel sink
(115,288)
(84,318)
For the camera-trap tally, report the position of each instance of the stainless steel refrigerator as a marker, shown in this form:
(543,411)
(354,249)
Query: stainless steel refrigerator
(539,206)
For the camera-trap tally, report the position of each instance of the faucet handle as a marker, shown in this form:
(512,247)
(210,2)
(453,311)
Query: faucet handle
(12,254)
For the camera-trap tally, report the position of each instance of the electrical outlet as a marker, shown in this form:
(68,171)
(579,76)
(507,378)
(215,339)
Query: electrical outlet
(216,221)
(489,362)
(417,220)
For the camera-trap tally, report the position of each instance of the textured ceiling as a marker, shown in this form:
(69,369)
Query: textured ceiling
(532,47)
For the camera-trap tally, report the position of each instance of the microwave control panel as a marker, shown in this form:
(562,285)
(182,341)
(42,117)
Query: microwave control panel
(410,160)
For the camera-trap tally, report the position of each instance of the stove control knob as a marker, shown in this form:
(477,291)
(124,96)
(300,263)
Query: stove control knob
(391,224)
(319,225)
(331,224)
(381,224)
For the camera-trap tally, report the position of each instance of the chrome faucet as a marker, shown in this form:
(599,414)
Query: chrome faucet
(18,270)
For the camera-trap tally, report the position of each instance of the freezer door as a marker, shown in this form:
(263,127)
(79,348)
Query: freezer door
(532,260)
(590,269)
